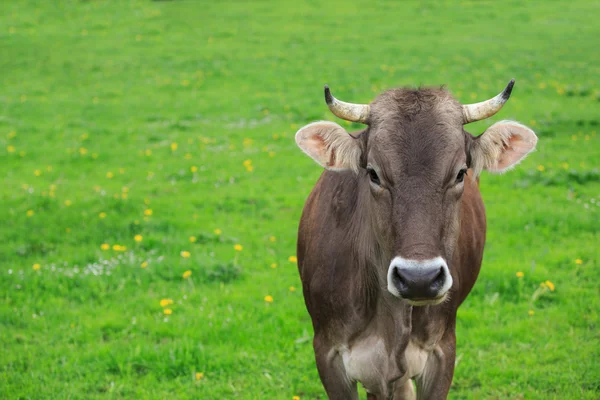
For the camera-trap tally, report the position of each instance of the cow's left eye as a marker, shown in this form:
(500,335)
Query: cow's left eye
(461,175)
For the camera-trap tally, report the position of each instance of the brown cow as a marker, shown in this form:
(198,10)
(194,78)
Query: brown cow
(391,238)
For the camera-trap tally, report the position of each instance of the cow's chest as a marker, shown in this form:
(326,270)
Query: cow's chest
(377,364)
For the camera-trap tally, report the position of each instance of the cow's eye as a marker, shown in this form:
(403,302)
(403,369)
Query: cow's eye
(373,176)
(461,175)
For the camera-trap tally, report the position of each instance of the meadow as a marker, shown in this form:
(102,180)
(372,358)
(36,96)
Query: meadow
(151,190)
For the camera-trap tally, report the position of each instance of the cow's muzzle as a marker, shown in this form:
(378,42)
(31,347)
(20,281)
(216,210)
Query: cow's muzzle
(421,282)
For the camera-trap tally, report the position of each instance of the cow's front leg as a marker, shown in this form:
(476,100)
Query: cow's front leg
(434,383)
(332,372)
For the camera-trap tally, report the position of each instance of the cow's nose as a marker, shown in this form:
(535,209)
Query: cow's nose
(419,280)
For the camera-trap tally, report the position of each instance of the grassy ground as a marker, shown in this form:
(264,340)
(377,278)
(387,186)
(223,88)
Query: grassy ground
(174,121)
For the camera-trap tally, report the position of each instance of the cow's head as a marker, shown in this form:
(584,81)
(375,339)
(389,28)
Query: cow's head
(411,162)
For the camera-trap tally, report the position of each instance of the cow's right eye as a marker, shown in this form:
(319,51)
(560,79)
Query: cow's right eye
(373,176)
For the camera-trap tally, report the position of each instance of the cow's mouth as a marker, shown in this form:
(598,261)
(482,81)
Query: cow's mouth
(427,301)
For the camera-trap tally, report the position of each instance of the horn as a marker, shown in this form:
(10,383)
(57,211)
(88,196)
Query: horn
(485,109)
(348,111)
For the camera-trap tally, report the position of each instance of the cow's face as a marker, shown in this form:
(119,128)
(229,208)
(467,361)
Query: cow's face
(411,163)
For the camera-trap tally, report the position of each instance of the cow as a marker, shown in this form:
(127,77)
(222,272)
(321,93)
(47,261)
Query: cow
(391,238)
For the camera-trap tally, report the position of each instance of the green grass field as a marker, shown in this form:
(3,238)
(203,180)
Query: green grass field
(174,121)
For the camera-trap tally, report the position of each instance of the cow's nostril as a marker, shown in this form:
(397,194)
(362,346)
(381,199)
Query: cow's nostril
(399,278)
(439,279)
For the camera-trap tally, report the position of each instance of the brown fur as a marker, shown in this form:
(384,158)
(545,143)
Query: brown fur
(350,231)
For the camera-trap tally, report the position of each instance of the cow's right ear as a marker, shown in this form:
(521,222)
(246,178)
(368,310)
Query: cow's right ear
(330,145)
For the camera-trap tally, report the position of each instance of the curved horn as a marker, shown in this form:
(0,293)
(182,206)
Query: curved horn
(485,109)
(348,111)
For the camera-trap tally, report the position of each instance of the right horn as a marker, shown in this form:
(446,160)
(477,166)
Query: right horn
(485,109)
(348,111)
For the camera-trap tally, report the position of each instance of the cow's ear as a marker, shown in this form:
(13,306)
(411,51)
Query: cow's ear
(330,145)
(501,147)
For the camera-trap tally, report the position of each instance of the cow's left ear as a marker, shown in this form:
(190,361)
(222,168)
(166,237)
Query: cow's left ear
(501,147)
(330,145)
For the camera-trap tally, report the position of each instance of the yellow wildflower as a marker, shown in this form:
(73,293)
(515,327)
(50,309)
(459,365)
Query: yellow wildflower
(247,163)
(11,148)
(148,212)
(166,302)
(168,311)
(36,267)
(102,215)
(29,213)
(105,246)
(530,312)
(292,259)
(185,254)
(144,264)
(273,265)
(292,289)
(148,152)
(218,231)
(269,299)
(550,285)
(579,261)
(296,398)
(199,375)
(68,203)
(187,274)
(83,151)
(238,247)
(109,175)
(272,239)
(138,238)
(193,239)
(37,172)
(174,146)
(193,168)
(520,274)
(540,168)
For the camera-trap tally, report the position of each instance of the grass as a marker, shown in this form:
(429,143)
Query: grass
(111,109)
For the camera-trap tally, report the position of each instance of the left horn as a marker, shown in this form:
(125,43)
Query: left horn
(348,111)
(485,109)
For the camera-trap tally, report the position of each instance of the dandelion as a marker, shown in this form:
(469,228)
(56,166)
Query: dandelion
(269,299)
(167,311)
(565,165)
(530,312)
(68,203)
(193,168)
(296,398)
(138,238)
(166,302)
(273,265)
(37,172)
(292,259)
(579,261)
(109,175)
(199,376)
(292,289)
(36,267)
(187,156)
(148,212)
(187,274)
(10,148)
(83,151)
(272,239)
(144,264)
(174,146)
(540,168)
(193,239)
(550,285)
(105,246)
(238,247)
(148,152)
(218,232)
(102,215)
(185,254)
(29,213)
(247,163)
(520,274)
